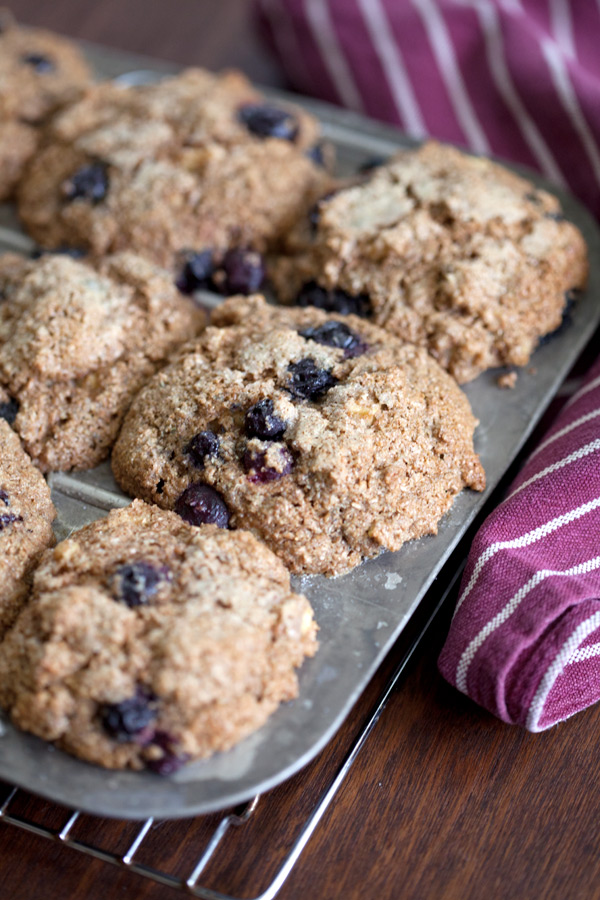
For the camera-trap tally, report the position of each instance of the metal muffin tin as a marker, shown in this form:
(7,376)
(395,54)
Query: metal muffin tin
(360,614)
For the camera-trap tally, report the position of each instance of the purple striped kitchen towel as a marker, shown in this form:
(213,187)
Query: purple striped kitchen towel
(525,638)
(519,79)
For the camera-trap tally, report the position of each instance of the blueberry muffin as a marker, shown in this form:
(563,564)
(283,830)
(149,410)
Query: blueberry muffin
(39,72)
(77,342)
(26,516)
(149,642)
(449,251)
(325,436)
(182,171)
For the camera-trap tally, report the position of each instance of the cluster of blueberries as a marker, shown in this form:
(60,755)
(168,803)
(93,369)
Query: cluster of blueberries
(201,504)
(240,270)
(133,719)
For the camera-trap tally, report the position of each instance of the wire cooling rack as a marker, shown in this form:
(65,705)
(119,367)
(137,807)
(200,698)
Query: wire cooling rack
(66,833)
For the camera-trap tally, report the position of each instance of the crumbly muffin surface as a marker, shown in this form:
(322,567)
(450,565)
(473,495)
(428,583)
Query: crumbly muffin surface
(76,343)
(325,436)
(149,642)
(39,72)
(452,252)
(18,143)
(26,516)
(196,162)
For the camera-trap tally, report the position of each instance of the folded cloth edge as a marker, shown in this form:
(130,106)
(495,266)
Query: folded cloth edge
(524,639)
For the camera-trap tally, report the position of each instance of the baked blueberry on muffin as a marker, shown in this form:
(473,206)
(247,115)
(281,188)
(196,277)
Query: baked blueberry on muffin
(182,171)
(39,72)
(77,342)
(324,435)
(449,251)
(149,642)
(26,516)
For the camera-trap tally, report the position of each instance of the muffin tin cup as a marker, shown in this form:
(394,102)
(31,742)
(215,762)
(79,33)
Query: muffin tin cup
(360,614)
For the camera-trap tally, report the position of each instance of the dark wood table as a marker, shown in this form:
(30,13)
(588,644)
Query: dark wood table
(443,801)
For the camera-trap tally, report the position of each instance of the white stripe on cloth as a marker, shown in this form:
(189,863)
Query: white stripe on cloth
(560,464)
(590,386)
(506,612)
(570,427)
(568,98)
(443,51)
(524,541)
(583,630)
(490,24)
(562,26)
(513,6)
(390,57)
(323,30)
(584,653)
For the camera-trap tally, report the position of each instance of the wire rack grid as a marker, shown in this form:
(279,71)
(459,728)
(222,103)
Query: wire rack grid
(65,834)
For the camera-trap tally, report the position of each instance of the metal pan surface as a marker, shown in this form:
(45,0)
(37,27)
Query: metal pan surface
(360,614)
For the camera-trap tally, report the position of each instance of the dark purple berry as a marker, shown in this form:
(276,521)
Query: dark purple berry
(168,764)
(171,761)
(260,422)
(4,497)
(314,216)
(134,583)
(336,334)
(203,444)
(88,183)
(265,120)
(127,720)
(316,154)
(9,410)
(374,162)
(7,519)
(308,381)
(202,505)
(41,64)
(164,739)
(314,213)
(243,272)
(196,272)
(335,300)
(73,252)
(255,462)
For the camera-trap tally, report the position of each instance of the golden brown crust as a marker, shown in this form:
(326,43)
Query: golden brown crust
(183,172)
(454,252)
(26,516)
(211,651)
(76,343)
(18,143)
(39,73)
(374,461)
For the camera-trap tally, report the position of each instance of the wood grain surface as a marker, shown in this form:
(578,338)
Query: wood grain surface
(443,801)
